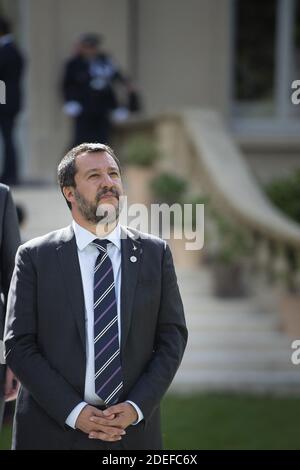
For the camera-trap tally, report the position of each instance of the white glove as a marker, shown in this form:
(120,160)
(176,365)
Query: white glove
(72,108)
(120,114)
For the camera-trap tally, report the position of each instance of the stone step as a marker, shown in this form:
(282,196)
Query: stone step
(279,381)
(233,359)
(200,303)
(231,321)
(244,339)
(45,209)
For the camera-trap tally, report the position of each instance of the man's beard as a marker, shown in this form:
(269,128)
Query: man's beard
(98,213)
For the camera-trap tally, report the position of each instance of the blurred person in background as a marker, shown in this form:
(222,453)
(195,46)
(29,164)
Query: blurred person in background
(9,242)
(11,69)
(90,82)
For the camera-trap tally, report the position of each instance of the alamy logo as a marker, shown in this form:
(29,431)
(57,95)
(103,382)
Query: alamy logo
(295,96)
(2,92)
(295,357)
(157,219)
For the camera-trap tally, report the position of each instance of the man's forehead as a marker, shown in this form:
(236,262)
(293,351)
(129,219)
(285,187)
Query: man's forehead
(87,160)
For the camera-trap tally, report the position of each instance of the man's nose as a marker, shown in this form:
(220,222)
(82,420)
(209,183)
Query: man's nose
(107,181)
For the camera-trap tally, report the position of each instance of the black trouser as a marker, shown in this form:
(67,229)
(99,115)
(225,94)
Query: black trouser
(9,171)
(89,128)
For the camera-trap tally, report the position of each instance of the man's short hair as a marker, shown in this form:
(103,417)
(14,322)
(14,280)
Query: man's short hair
(67,167)
(90,39)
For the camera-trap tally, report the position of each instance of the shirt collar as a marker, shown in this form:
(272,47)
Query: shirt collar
(84,237)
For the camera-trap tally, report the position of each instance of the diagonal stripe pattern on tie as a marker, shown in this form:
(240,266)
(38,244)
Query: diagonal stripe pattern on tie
(108,370)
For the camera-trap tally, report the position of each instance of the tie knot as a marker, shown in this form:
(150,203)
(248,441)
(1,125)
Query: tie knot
(100,244)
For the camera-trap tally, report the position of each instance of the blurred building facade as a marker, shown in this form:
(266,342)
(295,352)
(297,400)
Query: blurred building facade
(234,56)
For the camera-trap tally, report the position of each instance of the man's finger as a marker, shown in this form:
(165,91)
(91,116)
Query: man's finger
(12,395)
(108,421)
(7,390)
(11,390)
(112,432)
(8,385)
(115,409)
(99,413)
(104,437)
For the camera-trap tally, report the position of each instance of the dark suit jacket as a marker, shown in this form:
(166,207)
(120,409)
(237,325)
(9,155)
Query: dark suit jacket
(9,242)
(11,68)
(45,337)
(77,86)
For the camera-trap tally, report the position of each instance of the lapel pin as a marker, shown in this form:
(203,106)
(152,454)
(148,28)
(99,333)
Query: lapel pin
(133,259)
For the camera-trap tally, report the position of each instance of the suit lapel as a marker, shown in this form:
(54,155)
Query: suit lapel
(131,248)
(69,263)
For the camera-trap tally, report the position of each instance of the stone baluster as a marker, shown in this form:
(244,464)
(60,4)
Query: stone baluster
(262,255)
(280,267)
(297,272)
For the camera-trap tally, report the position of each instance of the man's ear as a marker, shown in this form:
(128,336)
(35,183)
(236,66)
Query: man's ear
(69,193)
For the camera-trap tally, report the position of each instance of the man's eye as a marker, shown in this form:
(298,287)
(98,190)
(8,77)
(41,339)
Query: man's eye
(114,173)
(93,175)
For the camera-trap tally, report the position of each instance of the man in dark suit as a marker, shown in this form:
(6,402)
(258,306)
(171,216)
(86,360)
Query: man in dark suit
(9,242)
(95,329)
(89,81)
(11,68)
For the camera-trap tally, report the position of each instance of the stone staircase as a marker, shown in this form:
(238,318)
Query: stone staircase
(45,210)
(232,345)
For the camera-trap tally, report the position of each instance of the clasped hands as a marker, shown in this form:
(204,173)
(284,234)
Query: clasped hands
(108,425)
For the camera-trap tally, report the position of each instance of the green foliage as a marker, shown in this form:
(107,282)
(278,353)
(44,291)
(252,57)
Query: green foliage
(230,421)
(285,194)
(169,188)
(141,151)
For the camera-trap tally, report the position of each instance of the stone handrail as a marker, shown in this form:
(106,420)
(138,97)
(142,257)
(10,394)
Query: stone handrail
(231,177)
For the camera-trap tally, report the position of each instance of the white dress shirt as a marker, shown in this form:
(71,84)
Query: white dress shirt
(87,255)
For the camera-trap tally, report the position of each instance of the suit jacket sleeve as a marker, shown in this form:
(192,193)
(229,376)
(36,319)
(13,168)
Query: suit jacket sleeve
(50,390)
(171,339)
(9,245)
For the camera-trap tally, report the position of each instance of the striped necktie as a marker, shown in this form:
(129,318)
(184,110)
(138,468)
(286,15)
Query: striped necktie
(108,371)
